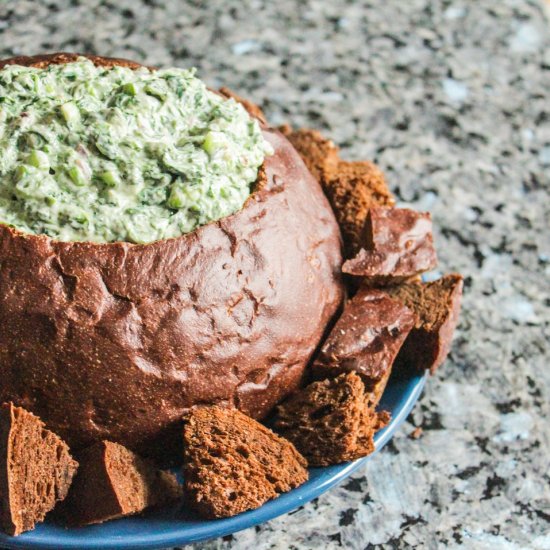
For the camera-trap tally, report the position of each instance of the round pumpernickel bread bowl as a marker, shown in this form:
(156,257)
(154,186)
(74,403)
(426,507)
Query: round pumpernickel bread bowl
(116,341)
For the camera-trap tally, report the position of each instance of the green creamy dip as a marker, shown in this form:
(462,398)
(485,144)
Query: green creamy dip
(113,154)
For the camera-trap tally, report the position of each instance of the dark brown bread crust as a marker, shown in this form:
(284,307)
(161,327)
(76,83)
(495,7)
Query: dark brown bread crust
(437,307)
(233,464)
(331,421)
(366,339)
(351,187)
(396,244)
(41,61)
(116,341)
(114,482)
(36,469)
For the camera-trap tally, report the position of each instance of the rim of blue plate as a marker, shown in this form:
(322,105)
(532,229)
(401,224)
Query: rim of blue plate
(169,528)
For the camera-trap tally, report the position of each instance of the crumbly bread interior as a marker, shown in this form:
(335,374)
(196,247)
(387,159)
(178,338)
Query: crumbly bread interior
(331,421)
(232,463)
(37,472)
(356,187)
(429,301)
(436,306)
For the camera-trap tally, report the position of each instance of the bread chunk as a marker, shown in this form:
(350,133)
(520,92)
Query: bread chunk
(365,340)
(436,306)
(36,469)
(352,191)
(331,421)
(233,464)
(396,244)
(113,482)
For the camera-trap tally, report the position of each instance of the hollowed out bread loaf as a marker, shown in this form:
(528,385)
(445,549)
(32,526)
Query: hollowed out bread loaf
(36,469)
(233,464)
(116,341)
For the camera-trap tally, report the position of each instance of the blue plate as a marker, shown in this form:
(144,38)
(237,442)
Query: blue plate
(175,527)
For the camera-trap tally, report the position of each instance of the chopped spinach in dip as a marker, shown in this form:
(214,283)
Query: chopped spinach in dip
(113,154)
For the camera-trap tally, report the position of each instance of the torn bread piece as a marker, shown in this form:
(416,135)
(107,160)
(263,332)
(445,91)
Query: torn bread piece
(365,340)
(352,191)
(331,421)
(37,469)
(113,482)
(396,244)
(232,463)
(436,305)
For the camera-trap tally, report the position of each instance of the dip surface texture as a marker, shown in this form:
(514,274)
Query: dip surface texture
(103,154)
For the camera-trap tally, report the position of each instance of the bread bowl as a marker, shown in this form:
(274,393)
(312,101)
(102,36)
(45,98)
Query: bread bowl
(117,340)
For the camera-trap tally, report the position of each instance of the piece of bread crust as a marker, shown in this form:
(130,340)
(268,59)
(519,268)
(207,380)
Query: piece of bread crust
(113,482)
(36,469)
(331,421)
(354,188)
(396,245)
(365,339)
(41,61)
(437,306)
(233,464)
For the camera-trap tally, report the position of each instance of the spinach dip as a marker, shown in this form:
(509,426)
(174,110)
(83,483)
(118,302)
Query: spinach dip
(114,154)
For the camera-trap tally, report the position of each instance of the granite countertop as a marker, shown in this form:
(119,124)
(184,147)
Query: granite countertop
(452,99)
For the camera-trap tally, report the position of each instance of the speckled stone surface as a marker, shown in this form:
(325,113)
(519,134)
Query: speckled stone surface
(452,99)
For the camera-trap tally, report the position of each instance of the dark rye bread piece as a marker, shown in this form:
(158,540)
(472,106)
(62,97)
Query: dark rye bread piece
(134,335)
(233,464)
(36,469)
(113,482)
(437,307)
(354,188)
(330,421)
(396,244)
(351,187)
(365,340)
